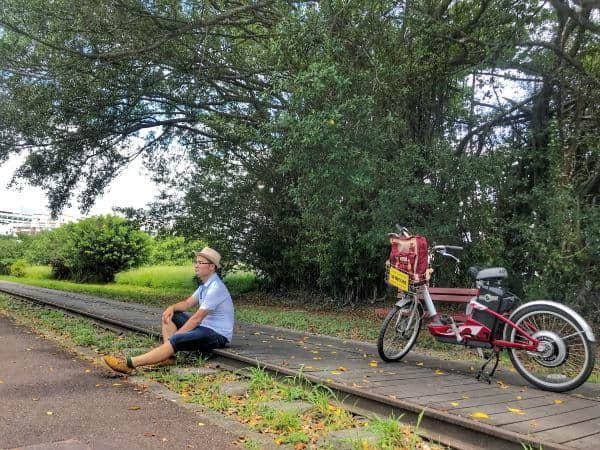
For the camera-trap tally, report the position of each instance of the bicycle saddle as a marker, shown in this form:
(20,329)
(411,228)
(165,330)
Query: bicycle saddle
(488,273)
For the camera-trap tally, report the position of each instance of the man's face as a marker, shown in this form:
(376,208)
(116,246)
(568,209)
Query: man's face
(203,266)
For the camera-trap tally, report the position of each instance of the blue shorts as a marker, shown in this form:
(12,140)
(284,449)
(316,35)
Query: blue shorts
(201,338)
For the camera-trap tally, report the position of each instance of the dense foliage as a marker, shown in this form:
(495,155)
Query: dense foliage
(95,249)
(10,251)
(174,250)
(293,135)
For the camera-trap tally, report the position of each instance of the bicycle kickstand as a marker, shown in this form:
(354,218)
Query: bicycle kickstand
(481,375)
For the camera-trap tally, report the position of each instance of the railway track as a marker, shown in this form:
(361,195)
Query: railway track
(381,390)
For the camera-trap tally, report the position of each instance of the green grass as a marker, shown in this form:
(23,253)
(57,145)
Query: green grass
(331,324)
(77,330)
(38,272)
(125,292)
(240,282)
(159,277)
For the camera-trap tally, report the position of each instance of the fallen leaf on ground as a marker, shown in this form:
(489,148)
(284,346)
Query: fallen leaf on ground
(465,397)
(278,441)
(299,446)
(516,411)
(557,402)
(518,397)
(343,369)
(373,363)
(133,408)
(479,415)
(439,372)
(335,372)
(116,384)
(419,364)
(455,404)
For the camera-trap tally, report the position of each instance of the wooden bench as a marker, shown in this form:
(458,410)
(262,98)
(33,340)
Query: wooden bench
(455,295)
(442,294)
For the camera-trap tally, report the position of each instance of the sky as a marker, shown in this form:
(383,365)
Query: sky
(133,187)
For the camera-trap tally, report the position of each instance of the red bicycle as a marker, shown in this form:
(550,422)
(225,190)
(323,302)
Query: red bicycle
(549,344)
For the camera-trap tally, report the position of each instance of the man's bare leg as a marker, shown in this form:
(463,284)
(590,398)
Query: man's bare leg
(159,354)
(168,330)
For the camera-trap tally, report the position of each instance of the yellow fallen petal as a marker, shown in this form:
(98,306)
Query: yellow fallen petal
(200,424)
(439,372)
(49,413)
(455,403)
(516,411)
(373,363)
(419,364)
(335,372)
(480,415)
(518,397)
(278,441)
(557,402)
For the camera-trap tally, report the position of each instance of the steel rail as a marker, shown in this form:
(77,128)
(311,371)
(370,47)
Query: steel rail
(439,426)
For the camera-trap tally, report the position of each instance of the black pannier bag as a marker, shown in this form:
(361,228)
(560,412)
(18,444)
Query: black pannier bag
(498,300)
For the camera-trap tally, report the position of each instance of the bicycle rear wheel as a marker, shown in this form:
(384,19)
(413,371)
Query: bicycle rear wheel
(399,331)
(566,357)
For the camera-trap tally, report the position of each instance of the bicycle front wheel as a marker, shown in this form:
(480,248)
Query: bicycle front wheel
(399,331)
(565,358)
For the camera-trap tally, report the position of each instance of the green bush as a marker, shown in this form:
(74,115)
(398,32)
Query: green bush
(11,249)
(95,249)
(18,268)
(46,246)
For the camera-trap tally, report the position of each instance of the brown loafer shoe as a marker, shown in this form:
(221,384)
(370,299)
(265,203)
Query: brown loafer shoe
(116,364)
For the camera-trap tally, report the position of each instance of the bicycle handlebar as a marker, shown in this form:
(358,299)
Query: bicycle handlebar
(446,247)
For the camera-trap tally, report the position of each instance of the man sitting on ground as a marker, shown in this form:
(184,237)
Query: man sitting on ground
(208,328)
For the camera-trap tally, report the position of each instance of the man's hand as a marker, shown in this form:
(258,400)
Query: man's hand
(167,315)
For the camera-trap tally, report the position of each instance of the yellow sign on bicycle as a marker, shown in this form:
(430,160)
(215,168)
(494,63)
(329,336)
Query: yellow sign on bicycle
(398,278)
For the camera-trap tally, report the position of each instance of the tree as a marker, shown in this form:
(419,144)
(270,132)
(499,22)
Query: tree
(80,81)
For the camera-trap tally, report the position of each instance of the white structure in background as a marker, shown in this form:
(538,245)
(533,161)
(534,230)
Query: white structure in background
(21,222)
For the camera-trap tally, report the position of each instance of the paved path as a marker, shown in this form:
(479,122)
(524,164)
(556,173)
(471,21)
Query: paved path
(556,420)
(50,399)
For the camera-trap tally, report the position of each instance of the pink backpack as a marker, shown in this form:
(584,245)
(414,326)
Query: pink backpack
(409,254)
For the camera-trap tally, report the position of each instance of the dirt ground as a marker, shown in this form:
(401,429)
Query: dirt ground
(51,399)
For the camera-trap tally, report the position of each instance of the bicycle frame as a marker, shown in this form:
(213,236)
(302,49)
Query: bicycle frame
(461,328)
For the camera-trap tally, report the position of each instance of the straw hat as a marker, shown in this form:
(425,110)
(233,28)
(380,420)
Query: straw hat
(213,256)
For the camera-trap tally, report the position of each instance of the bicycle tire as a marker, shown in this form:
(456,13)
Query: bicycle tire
(389,321)
(555,362)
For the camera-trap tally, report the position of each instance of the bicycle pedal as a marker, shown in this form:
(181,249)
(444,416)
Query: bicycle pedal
(445,320)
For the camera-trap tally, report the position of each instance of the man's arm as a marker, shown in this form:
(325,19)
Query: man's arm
(183,305)
(194,321)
